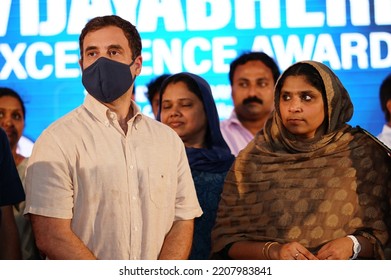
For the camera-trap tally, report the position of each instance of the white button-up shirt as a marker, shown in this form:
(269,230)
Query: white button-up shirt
(122,192)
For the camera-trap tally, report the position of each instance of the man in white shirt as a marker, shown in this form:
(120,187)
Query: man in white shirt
(106,181)
(252,77)
(385,102)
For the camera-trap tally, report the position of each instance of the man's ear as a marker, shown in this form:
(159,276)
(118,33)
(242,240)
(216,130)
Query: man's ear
(138,64)
(81,63)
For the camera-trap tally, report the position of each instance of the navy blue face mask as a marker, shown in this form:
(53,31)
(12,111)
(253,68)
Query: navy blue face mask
(107,80)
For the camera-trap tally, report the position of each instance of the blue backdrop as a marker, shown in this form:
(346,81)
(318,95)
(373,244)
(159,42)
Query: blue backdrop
(39,46)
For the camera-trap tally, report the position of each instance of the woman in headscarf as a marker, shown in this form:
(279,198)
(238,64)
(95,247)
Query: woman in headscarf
(309,186)
(188,107)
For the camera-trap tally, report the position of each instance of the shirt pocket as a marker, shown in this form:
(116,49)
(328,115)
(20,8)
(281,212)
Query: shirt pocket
(161,191)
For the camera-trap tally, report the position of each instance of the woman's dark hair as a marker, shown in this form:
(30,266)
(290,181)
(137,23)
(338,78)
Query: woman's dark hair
(308,71)
(4,91)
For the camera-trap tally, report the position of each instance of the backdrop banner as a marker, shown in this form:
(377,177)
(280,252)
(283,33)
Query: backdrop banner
(39,49)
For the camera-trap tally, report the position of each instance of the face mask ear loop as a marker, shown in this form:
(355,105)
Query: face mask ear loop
(130,65)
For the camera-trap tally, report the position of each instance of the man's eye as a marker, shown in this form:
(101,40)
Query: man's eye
(263,84)
(17,117)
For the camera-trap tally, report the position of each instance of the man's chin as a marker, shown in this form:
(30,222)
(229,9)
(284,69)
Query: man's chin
(250,116)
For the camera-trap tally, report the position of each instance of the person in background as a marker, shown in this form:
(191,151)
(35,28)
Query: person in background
(308,186)
(105,181)
(188,107)
(153,92)
(385,102)
(252,77)
(11,192)
(12,120)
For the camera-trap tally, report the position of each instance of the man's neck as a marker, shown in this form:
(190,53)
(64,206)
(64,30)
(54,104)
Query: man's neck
(254,126)
(123,108)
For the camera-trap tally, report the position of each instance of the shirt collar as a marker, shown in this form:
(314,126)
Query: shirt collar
(104,114)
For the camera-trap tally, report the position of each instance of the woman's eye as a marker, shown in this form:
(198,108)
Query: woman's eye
(166,106)
(306,97)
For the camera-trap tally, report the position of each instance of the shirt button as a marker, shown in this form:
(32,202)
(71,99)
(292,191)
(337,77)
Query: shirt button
(131,167)
(107,123)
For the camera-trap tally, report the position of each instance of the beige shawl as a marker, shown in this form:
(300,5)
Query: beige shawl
(284,190)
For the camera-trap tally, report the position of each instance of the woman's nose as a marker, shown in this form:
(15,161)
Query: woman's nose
(174,111)
(295,106)
(6,121)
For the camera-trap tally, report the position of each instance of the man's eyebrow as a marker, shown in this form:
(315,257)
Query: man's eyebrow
(90,48)
(115,46)
(243,79)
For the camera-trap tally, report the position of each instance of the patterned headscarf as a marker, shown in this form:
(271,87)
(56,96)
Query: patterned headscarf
(284,189)
(339,109)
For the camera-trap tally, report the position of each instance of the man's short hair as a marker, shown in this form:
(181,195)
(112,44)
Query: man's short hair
(153,87)
(129,30)
(254,56)
(385,96)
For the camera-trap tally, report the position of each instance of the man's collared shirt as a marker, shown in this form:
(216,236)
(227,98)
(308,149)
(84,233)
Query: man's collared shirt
(235,134)
(385,135)
(122,192)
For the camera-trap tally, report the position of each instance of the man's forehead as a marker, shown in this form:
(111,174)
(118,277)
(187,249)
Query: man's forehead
(107,35)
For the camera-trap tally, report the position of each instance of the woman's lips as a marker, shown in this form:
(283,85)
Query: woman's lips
(175,124)
(295,121)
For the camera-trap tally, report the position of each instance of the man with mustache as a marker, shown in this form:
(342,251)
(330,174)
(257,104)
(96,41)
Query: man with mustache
(252,77)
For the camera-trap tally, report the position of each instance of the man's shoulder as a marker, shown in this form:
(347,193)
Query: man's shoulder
(65,125)
(156,124)
(159,130)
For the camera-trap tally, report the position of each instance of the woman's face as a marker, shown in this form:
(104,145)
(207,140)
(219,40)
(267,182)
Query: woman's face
(11,118)
(184,112)
(301,107)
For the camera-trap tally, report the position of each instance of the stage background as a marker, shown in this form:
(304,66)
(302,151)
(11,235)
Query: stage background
(39,46)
